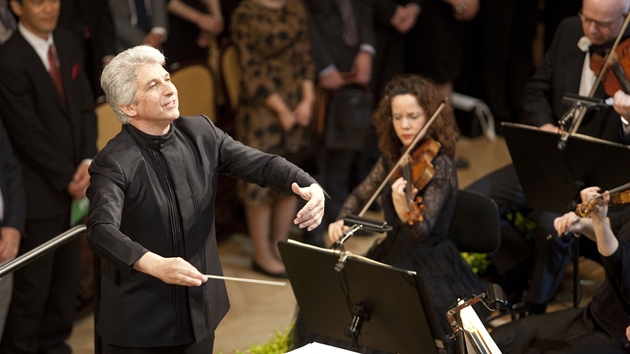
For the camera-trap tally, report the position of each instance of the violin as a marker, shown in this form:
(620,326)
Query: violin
(616,66)
(417,170)
(618,196)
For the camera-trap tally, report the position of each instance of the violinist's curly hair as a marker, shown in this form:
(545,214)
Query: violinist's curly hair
(443,129)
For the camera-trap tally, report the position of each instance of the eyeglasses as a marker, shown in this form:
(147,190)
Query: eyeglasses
(412,116)
(599,24)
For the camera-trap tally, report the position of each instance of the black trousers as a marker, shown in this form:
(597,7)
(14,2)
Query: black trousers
(43,307)
(204,347)
(569,331)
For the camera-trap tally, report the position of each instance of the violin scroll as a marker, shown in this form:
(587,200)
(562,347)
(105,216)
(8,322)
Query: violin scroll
(583,210)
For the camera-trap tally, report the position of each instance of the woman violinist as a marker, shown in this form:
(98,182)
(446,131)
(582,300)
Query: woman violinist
(423,244)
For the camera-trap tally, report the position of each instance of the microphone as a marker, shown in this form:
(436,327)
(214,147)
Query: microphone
(360,223)
(367,224)
(586,102)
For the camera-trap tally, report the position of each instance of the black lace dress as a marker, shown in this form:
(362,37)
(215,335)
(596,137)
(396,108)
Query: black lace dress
(425,246)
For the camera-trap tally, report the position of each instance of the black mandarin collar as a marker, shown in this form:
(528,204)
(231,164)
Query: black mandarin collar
(148,141)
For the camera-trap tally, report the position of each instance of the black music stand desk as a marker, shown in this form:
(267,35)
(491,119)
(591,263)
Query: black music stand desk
(552,177)
(361,301)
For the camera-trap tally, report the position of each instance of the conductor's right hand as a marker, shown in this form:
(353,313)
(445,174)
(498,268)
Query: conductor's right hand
(174,270)
(336,230)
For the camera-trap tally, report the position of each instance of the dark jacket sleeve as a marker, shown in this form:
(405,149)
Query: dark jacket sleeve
(11,185)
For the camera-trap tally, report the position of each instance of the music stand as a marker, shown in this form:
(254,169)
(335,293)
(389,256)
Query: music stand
(551,177)
(361,301)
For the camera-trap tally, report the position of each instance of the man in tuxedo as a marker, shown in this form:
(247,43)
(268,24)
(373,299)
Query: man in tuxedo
(47,108)
(565,69)
(12,214)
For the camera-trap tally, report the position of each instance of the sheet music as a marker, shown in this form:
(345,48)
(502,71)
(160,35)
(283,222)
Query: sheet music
(318,348)
(473,325)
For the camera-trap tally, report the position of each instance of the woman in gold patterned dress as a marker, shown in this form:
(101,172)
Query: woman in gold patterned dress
(274,110)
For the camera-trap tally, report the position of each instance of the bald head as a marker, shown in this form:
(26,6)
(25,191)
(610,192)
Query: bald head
(602,19)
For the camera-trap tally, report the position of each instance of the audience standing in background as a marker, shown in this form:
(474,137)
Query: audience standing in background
(139,22)
(393,19)
(12,215)
(227,7)
(343,42)
(193,25)
(12,202)
(274,111)
(8,23)
(91,22)
(47,109)
(498,58)
(435,46)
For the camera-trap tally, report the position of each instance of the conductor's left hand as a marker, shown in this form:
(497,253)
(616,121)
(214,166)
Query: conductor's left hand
(310,216)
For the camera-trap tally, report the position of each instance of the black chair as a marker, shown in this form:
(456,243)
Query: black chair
(476,223)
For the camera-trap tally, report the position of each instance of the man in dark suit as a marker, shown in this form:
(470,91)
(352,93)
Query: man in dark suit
(152,211)
(341,44)
(91,21)
(47,108)
(392,20)
(562,71)
(12,214)
(139,22)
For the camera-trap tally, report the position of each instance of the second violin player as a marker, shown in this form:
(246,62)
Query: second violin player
(423,246)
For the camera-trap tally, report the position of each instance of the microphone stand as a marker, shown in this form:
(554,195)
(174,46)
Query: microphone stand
(571,114)
(361,223)
(346,236)
(358,223)
(575,114)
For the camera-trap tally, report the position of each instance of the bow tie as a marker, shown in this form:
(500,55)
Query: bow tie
(584,44)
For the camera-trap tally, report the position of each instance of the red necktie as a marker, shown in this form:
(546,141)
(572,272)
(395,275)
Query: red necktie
(55,73)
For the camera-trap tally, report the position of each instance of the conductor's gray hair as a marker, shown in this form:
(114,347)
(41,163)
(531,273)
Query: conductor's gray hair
(118,79)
